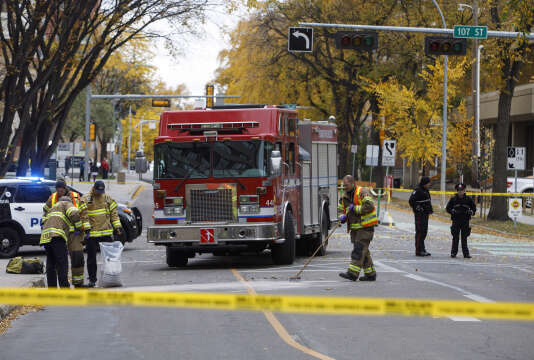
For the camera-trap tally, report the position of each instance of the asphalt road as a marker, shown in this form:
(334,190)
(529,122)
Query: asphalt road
(500,270)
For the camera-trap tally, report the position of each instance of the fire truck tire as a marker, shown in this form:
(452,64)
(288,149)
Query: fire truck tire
(176,258)
(284,254)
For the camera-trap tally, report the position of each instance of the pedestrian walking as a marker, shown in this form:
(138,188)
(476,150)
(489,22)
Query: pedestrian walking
(421,204)
(75,238)
(359,212)
(94,170)
(103,221)
(54,237)
(82,170)
(461,207)
(105,168)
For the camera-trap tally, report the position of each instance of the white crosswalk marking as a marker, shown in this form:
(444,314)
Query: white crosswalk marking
(506,248)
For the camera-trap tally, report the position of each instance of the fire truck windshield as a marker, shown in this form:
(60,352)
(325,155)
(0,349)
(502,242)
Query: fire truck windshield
(218,159)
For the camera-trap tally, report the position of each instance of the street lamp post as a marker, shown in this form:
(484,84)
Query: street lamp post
(444,134)
(129,136)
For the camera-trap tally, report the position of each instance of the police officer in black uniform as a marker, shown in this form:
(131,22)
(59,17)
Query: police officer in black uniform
(461,208)
(421,204)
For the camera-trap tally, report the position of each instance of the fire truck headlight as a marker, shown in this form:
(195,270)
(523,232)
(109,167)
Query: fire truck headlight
(173,210)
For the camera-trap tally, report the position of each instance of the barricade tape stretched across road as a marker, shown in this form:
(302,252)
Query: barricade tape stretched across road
(275,303)
(471,193)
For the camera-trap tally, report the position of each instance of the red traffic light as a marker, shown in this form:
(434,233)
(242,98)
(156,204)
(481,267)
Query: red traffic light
(434,46)
(346,41)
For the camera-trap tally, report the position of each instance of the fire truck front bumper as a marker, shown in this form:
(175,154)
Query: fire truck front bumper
(213,234)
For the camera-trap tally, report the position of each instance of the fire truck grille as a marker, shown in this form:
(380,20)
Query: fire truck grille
(211,205)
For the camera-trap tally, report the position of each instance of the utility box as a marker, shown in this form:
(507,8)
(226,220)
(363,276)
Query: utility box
(141,164)
(121,177)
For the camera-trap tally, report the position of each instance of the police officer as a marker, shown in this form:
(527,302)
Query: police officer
(75,238)
(421,204)
(103,219)
(360,214)
(56,227)
(461,208)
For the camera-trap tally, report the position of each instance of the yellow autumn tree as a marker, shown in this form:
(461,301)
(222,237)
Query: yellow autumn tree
(459,140)
(414,119)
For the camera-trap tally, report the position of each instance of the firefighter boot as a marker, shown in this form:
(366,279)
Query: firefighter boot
(368,278)
(349,276)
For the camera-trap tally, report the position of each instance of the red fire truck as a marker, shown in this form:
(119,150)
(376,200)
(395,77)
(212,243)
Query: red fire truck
(234,179)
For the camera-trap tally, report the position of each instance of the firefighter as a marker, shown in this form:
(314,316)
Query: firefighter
(54,237)
(421,204)
(360,214)
(75,238)
(103,219)
(461,208)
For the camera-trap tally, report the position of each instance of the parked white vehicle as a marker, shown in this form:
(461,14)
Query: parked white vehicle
(524,185)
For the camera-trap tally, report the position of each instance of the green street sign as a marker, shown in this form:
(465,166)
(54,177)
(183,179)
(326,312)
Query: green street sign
(470,32)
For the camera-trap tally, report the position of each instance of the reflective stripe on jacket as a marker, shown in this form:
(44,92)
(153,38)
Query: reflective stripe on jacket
(61,217)
(102,214)
(363,214)
(76,201)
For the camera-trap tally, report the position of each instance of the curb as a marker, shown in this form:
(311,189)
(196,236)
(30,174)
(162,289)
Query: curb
(6,309)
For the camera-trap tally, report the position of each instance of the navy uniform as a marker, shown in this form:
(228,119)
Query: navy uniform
(461,208)
(421,204)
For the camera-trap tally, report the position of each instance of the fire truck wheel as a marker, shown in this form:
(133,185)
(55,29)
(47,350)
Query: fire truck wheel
(284,254)
(176,258)
(322,236)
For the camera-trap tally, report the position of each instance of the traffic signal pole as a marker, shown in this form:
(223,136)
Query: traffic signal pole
(443,31)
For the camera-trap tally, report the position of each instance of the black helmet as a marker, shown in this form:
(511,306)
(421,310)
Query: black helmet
(460,186)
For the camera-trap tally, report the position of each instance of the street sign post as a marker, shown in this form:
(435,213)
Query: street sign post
(388,152)
(470,32)
(371,158)
(300,39)
(353,150)
(516,158)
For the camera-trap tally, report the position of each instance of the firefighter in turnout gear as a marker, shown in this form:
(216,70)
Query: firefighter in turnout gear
(461,208)
(75,238)
(104,220)
(59,221)
(359,212)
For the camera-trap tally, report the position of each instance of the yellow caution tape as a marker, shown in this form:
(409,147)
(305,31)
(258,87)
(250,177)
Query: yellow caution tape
(275,303)
(436,192)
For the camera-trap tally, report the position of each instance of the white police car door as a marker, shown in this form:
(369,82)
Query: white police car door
(27,207)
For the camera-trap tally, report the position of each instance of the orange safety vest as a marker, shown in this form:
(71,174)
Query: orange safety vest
(368,220)
(75,199)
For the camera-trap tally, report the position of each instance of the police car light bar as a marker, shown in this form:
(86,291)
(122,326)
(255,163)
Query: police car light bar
(219,125)
(31,178)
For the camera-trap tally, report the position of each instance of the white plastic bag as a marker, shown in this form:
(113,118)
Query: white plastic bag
(111,255)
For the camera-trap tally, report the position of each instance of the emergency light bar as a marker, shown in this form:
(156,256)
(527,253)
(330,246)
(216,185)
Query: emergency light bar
(219,125)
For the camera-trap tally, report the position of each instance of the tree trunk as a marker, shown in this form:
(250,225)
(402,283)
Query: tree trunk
(499,206)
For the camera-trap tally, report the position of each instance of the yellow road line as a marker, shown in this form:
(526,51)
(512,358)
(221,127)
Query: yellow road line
(278,327)
(137,191)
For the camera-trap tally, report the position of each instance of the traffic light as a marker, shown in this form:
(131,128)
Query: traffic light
(210,91)
(439,45)
(161,103)
(92,132)
(357,40)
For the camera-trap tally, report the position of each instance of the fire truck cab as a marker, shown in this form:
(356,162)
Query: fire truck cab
(243,178)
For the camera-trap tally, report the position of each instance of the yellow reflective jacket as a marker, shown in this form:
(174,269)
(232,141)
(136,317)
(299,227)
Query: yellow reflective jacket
(76,201)
(102,213)
(61,217)
(363,214)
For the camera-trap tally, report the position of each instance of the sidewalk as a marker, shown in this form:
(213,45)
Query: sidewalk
(121,193)
(16,281)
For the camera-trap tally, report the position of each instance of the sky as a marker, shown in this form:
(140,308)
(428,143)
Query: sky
(199,61)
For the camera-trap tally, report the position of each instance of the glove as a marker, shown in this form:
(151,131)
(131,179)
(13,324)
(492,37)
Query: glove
(118,231)
(343,219)
(470,212)
(77,232)
(87,234)
(351,207)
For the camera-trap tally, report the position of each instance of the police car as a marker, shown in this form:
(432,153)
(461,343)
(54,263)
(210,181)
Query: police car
(21,211)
